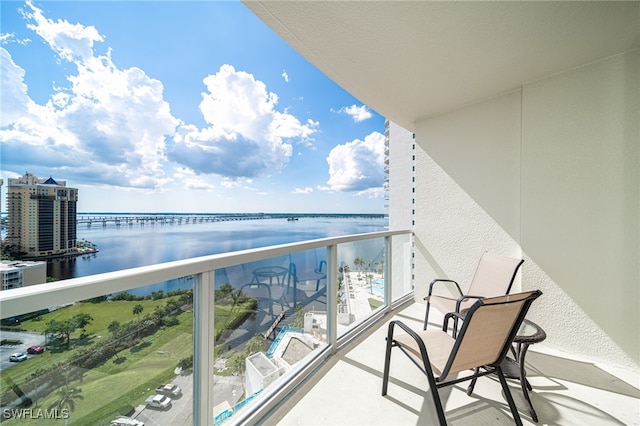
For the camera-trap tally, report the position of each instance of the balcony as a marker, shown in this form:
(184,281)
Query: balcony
(324,320)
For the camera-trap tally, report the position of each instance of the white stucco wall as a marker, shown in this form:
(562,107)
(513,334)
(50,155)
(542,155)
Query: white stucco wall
(550,172)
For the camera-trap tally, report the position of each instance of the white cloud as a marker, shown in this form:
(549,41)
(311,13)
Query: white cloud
(307,190)
(247,136)
(108,125)
(285,76)
(187,179)
(358,113)
(357,165)
(71,42)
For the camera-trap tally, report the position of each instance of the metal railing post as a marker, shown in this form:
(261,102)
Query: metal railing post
(332,296)
(203,341)
(388,275)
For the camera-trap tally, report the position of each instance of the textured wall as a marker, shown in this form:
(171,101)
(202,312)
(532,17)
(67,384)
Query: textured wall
(550,172)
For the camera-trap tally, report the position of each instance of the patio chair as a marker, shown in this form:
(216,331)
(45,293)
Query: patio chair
(486,333)
(316,275)
(265,292)
(493,277)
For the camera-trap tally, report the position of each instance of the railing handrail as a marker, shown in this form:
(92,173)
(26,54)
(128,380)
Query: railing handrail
(32,298)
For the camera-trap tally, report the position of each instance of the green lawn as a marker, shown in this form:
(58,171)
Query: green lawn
(102,313)
(117,386)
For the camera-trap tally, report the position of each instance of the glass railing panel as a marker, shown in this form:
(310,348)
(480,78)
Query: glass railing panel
(270,315)
(361,282)
(401,265)
(92,361)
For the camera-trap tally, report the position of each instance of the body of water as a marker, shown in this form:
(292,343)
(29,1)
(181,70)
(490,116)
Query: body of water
(124,247)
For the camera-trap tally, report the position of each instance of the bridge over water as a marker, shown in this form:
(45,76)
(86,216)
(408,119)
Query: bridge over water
(174,218)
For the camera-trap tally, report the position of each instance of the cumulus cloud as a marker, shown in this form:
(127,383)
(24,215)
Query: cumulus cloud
(285,76)
(358,113)
(108,125)
(247,136)
(358,165)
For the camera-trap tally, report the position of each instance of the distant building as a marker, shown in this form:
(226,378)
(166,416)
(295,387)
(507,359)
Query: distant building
(18,273)
(41,216)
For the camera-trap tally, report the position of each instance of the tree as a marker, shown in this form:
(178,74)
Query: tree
(80,320)
(66,397)
(114,328)
(256,344)
(236,363)
(358,262)
(61,329)
(137,310)
(299,321)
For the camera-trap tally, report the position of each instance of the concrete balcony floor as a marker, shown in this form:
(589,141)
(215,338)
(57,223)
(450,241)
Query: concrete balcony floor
(347,390)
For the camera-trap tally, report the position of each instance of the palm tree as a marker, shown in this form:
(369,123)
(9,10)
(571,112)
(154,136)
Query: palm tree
(66,399)
(137,310)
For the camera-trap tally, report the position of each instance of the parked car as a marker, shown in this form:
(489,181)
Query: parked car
(35,350)
(126,421)
(169,390)
(159,401)
(17,357)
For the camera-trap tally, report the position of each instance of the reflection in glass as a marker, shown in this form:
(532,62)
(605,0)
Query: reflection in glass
(270,315)
(361,283)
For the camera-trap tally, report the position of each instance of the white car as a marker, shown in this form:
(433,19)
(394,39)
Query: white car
(126,421)
(17,357)
(170,390)
(159,401)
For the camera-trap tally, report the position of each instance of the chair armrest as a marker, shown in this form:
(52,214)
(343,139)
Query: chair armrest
(448,316)
(442,280)
(410,332)
(465,297)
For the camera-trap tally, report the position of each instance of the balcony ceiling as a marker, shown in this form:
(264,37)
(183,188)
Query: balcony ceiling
(415,59)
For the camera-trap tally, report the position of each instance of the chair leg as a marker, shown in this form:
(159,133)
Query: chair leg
(507,394)
(473,381)
(427,369)
(436,397)
(426,316)
(387,360)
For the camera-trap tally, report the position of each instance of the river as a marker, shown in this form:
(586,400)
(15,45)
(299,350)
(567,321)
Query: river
(124,247)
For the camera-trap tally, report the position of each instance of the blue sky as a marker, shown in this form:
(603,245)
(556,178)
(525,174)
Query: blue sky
(179,106)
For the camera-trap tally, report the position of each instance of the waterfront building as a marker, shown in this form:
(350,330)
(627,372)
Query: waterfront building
(41,216)
(18,273)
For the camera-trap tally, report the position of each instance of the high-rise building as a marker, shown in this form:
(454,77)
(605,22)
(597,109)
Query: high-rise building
(400,181)
(41,216)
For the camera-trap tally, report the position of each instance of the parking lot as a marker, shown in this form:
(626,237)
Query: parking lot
(181,411)
(28,339)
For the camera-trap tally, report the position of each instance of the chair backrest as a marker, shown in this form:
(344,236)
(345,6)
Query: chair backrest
(489,327)
(494,275)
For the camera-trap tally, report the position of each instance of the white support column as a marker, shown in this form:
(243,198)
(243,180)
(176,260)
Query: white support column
(203,342)
(388,275)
